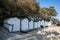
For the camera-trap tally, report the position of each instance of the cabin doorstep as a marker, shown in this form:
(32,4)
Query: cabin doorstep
(12,24)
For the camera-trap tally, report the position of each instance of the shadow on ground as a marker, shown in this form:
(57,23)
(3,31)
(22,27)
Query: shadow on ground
(33,35)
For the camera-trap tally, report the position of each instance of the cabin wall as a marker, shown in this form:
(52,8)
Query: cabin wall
(35,25)
(42,23)
(15,24)
(39,24)
(24,24)
(30,25)
(12,24)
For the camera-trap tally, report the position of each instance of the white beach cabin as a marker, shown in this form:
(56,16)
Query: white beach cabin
(39,24)
(31,25)
(35,25)
(42,23)
(24,24)
(49,23)
(12,24)
(45,23)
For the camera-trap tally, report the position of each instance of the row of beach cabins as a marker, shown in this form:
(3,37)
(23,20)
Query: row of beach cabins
(23,24)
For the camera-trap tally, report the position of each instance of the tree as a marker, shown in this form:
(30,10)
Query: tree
(20,7)
(55,21)
(47,13)
(52,11)
(27,8)
(43,13)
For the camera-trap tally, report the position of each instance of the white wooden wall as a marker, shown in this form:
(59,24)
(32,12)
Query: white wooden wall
(24,24)
(49,23)
(42,22)
(5,25)
(39,24)
(35,24)
(30,25)
(12,21)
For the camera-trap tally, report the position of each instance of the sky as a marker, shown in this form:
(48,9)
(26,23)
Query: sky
(48,3)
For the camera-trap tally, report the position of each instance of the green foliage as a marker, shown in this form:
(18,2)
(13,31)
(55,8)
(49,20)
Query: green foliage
(52,11)
(26,8)
(45,13)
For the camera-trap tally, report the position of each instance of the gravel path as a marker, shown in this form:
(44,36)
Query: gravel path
(39,34)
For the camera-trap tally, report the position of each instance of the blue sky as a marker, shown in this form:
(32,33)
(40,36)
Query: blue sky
(48,3)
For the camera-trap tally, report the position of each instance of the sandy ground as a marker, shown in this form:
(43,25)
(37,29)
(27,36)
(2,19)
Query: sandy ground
(57,29)
(52,31)
(49,33)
